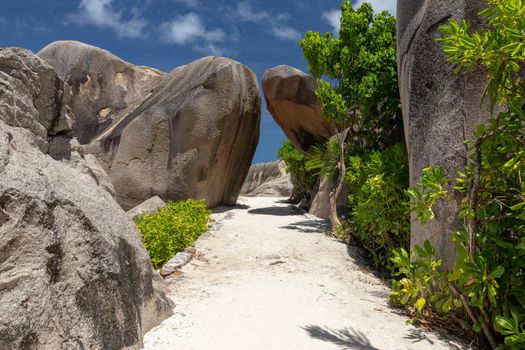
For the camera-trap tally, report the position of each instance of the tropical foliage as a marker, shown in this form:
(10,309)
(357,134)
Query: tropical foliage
(379,214)
(172,229)
(488,279)
(357,83)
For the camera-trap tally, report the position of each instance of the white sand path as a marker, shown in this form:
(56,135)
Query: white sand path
(274,281)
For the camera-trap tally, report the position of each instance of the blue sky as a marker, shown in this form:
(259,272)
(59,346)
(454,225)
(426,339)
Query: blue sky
(165,34)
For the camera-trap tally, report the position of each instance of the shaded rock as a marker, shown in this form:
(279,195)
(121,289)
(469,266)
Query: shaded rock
(104,87)
(320,204)
(290,98)
(268,179)
(33,97)
(440,109)
(152,205)
(74,274)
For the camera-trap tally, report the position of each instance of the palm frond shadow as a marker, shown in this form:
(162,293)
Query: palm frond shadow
(348,338)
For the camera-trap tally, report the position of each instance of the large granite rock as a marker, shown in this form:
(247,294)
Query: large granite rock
(104,87)
(73,271)
(268,179)
(290,99)
(191,133)
(440,109)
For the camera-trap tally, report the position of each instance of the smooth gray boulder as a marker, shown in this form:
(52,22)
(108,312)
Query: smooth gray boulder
(150,206)
(73,271)
(194,137)
(190,133)
(291,100)
(268,179)
(440,109)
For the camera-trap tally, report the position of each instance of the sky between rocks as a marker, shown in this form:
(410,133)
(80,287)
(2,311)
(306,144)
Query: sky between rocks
(165,34)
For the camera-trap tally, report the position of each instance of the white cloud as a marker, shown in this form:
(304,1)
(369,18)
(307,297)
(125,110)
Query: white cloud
(380,5)
(190,29)
(102,14)
(212,49)
(246,13)
(276,22)
(333,18)
(189,3)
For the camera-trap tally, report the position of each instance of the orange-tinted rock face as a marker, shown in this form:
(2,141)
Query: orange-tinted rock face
(290,98)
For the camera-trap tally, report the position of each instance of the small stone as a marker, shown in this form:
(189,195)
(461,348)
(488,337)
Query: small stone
(166,271)
(191,250)
(179,260)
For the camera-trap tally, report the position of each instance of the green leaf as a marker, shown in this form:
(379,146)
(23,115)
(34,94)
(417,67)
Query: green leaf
(420,304)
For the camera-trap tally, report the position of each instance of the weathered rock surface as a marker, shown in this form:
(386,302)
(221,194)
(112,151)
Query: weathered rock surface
(320,205)
(268,179)
(104,87)
(190,133)
(440,109)
(73,271)
(290,98)
(149,206)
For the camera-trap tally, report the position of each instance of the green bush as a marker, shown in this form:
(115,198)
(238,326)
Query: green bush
(379,215)
(488,278)
(172,229)
(303,179)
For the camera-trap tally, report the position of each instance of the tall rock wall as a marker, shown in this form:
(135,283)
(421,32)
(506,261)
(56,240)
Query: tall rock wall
(440,109)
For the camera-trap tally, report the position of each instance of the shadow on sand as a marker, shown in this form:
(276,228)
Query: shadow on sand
(276,211)
(309,226)
(348,338)
(224,208)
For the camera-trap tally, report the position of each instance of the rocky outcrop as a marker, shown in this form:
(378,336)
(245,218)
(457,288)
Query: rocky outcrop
(190,133)
(290,99)
(268,179)
(440,109)
(152,205)
(73,271)
(104,87)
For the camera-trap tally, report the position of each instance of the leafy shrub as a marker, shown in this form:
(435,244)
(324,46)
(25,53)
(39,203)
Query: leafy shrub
(173,228)
(489,274)
(420,283)
(303,179)
(379,217)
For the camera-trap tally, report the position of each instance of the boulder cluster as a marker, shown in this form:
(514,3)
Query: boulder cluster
(85,136)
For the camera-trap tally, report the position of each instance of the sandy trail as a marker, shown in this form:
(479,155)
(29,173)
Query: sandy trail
(273,280)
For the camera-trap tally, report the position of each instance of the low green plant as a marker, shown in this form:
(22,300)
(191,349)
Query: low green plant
(379,215)
(302,178)
(420,285)
(173,228)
